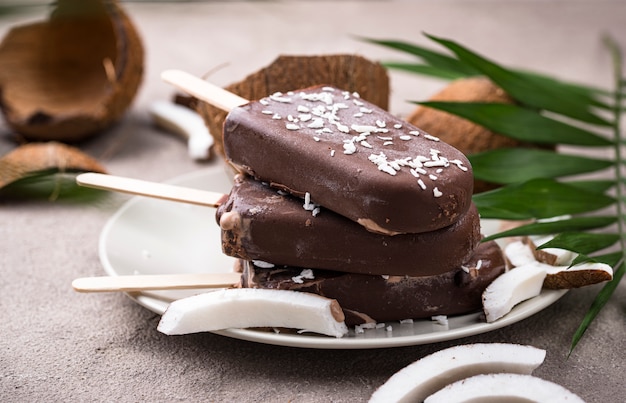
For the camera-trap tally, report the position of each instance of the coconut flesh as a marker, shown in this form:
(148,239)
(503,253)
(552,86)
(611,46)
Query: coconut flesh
(503,388)
(251,307)
(186,123)
(511,288)
(428,375)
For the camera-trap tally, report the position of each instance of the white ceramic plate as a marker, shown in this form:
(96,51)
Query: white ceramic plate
(149,236)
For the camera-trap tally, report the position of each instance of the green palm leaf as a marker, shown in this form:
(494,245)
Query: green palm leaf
(433,58)
(595,185)
(581,242)
(612,259)
(528,92)
(586,94)
(443,66)
(426,70)
(598,303)
(538,198)
(556,226)
(520,123)
(51,185)
(513,165)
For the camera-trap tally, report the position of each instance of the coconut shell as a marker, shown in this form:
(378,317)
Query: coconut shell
(286,73)
(73,75)
(565,279)
(466,136)
(31,158)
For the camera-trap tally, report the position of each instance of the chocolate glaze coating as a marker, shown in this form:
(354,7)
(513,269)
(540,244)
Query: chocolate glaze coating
(376,298)
(258,223)
(351,157)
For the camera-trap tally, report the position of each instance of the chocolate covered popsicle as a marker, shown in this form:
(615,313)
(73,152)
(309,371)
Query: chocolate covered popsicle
(261,223)
(351,157)
(366,298)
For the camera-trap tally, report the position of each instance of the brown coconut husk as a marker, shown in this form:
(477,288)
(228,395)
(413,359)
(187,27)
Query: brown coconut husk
(466,136)
(568,279)
(32,158)
(286,73)
(73,75)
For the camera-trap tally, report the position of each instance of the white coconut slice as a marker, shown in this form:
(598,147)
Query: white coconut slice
(186,123)
(426,376)
(249,307)
(556,262)
(503,388)
(580,275)
(551,256)
(518,253)
(511,288)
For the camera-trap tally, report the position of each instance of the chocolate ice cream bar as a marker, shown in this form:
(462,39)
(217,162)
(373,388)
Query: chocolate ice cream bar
(351,157)
(366,298)
(260,223)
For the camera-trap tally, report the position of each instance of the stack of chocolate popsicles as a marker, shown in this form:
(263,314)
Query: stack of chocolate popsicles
(343,199)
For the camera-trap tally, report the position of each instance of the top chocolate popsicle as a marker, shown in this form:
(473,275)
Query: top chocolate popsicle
(351,157)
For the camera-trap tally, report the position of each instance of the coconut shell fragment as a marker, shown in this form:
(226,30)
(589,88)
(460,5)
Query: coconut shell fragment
(72,75)
(33,158)
(287,73)
(582,275)
(468,137)
(557,263)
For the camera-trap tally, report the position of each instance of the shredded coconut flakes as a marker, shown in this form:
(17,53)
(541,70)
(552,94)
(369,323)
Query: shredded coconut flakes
(322,114)
(262,264)
(440,319)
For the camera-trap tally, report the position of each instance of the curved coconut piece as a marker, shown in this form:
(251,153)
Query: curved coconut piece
(466,136)
(426,376)
(252,307)
(288,73)
(551,256)
(33,158)
(503,388)
(511,288)
(73,75)
(518,253)
(186,123)
(580,275)
(556,263)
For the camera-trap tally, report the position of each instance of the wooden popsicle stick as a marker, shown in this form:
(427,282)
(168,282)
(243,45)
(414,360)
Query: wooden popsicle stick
(156,282)
(203,90)
(150,189)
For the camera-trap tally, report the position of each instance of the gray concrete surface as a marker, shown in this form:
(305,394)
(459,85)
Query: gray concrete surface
(58,345)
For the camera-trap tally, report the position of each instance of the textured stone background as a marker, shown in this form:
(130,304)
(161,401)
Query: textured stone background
(58,345)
